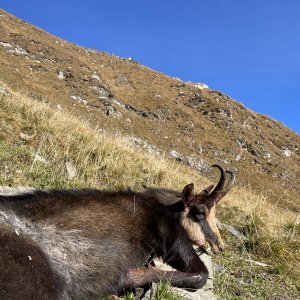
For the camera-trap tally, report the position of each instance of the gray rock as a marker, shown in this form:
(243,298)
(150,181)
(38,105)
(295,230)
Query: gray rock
(60,75)
(71,170)
(149,115)
(6,45)
(223,112)
(18,50)
(26,137)
(200,85)
(206,293)
(234,231)
(286,151)
(39,158)
(10,191)
(109,110)
(101,91)
(79,100)
(137,142)
(95,76)
(145,114)
(258,263)
(193,162)
(4,91)
(196,101)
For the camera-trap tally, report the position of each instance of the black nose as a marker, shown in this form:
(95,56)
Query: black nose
(220,249)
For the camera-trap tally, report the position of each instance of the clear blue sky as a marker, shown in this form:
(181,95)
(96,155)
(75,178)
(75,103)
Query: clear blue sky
(249,50)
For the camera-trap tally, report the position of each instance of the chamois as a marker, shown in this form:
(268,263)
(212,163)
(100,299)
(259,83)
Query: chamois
(87,244)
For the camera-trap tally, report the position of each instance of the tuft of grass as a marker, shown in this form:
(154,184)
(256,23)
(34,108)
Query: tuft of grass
(164,291)
(129,296)
(292,228)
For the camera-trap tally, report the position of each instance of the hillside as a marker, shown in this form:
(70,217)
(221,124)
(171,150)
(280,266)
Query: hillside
(190,123)
(43,147)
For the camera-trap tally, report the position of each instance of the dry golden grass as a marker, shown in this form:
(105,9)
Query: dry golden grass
(102,160)
(257,206)
(106,161)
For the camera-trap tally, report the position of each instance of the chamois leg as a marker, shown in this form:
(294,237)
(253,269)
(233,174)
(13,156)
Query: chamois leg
(190,272)
(141,276)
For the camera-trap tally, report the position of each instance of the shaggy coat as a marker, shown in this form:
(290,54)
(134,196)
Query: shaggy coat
(86,244)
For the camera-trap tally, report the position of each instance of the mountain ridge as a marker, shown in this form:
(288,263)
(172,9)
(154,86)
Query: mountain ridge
(196,126)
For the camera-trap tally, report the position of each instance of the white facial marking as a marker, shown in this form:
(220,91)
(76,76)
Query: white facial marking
(193,230)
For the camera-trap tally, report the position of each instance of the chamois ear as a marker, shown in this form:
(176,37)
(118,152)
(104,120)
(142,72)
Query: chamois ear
(187,194)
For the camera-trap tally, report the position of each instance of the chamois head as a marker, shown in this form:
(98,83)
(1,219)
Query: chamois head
(199,218)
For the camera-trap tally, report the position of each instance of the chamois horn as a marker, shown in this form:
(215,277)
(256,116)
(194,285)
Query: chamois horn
(222,188)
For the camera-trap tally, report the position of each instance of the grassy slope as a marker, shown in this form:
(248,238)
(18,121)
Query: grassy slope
(103,161)
(205,124)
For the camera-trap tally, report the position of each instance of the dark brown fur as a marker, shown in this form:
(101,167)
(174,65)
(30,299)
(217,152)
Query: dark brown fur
(24,267)
(86,244)
(125,227)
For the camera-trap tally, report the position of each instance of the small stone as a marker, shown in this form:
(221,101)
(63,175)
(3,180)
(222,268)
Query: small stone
(60,75)
(200,85)
(234,231)
(287,152)
(95,76)
(71,170)
(4,91)
(257,263)
(101,91)
(266,154)
(39,158)
(25,137)
(188,125)
(175,154)
(78,99)
(112,297)
(10,191)
(110,110)
(6,45)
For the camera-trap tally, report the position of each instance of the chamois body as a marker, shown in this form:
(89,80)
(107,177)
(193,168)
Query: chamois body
(85,241)
(87,244)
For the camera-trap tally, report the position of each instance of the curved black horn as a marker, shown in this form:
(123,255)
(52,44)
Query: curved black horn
(222,188)
(216,193)
(228,186)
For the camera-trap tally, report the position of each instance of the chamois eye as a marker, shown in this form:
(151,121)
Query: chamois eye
(200,216)
(197,214)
